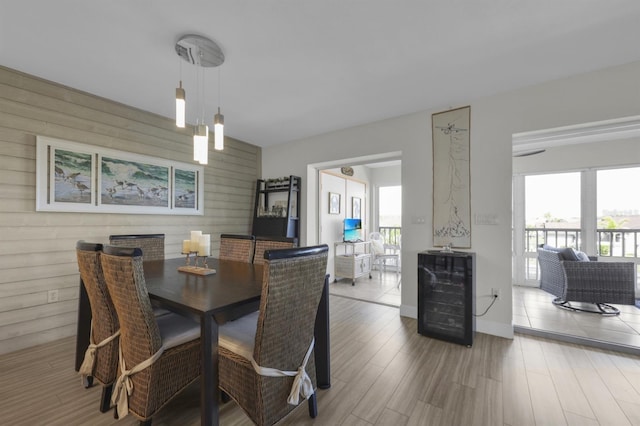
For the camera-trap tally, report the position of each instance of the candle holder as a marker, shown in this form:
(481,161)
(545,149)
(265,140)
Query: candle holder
(195,269)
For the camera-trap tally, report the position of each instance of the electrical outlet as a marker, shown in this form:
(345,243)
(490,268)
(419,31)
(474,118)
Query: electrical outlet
(52,296)
(495,292)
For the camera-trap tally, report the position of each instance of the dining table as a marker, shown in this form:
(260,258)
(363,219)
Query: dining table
(235,288)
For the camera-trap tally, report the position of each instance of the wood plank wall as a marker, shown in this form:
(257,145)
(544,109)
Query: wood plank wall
(37,249)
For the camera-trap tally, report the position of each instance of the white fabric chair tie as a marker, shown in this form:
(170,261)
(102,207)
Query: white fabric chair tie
(123,387)
(89,362)
(301,383)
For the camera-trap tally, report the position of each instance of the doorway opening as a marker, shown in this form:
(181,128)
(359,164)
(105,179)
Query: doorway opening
(358,195)
(581,203)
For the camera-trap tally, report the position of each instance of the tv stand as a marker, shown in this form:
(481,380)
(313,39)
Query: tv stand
(353,261)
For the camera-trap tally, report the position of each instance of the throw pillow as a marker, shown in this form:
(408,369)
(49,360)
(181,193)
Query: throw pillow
(568,254)
(377,246)
(582,256)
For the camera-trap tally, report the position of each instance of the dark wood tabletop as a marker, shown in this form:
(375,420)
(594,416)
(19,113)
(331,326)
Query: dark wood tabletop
(233,284)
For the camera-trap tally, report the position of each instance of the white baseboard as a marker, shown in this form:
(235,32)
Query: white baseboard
(494,328)
(409,311)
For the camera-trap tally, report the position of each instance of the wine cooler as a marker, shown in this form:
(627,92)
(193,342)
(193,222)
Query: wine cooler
(446,286)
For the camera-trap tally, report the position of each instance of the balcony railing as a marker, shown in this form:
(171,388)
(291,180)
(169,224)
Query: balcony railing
(557,237)
(391,234)
(611,242)
(618,242)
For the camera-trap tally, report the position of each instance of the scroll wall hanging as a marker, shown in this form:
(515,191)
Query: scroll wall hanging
(451,178)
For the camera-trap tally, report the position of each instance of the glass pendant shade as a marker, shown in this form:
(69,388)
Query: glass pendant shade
(201,144)
(218,128)
(180,106)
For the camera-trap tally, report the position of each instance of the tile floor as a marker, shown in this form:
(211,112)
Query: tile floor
(532,308)
(382,290)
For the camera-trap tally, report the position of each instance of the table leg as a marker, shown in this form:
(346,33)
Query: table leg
(209,371)
(83,330)
(322,345)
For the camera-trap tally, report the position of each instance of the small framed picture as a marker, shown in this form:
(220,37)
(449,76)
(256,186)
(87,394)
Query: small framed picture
(334,203)
(355,207)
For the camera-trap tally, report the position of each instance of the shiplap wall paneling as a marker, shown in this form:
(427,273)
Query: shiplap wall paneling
(37,249)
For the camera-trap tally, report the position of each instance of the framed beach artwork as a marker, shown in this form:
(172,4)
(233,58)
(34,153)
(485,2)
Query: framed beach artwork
(75,177)
(131,181)
(334,203)
(186,188)
(451,178)
(356,204)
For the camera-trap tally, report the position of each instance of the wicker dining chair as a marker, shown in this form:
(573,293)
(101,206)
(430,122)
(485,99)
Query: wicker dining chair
(159,356)
(271,243)
(278,338)
(101,359)
(152,245)
(238,248)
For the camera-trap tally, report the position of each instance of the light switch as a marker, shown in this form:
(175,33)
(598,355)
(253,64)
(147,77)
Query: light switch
(418,220)
(486,219)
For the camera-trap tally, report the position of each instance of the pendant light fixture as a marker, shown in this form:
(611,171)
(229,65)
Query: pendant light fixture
(201,144)
(218,123)
(203,53)
(180,106)
(201,131)
(218,128)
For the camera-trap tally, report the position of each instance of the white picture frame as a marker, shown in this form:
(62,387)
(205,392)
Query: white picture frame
(76,177)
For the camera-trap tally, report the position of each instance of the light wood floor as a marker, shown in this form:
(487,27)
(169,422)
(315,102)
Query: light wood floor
(383,373)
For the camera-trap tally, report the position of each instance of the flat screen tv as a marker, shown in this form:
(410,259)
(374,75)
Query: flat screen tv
(352,230)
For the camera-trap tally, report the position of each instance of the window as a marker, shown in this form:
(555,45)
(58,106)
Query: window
(618,212)
(552,201)
(390,213)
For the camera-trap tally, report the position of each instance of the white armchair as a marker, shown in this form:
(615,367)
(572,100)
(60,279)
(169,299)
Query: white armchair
(382,252)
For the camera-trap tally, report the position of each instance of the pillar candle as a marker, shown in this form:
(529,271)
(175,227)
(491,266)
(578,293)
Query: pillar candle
(204,248)
(195,240)
(186,246)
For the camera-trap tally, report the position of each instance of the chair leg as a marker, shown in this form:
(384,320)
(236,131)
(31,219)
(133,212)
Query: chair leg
(105,400)
(604,309)
(313,406)
(87,382)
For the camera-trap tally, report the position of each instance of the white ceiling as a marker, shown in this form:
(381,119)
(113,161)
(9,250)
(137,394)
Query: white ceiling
(298,68)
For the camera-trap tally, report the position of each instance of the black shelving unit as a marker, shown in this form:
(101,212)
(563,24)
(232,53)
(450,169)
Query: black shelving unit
(277,207)
(446,287)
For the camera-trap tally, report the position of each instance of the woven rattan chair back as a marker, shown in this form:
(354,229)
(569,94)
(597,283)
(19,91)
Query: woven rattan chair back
(140,337)
(105,321)
(271,243)
(152,245)
(139,333)
(238,248)
(124,274)
(293,284)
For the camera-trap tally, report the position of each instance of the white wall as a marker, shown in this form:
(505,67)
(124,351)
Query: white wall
(595,96)
(617,153)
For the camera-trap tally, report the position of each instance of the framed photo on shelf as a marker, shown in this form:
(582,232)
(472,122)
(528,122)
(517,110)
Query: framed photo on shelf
(334,203)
